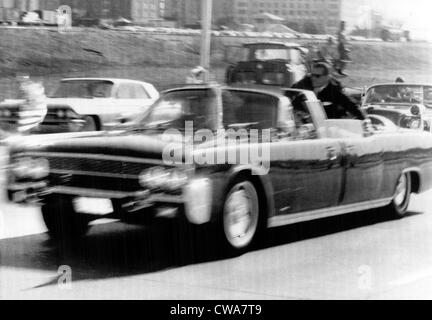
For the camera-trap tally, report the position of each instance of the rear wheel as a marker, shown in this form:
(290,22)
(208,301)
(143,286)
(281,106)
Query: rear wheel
(61,219)
(240,218)
(401,198)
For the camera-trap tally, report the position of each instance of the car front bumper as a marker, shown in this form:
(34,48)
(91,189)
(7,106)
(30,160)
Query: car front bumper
(195,198)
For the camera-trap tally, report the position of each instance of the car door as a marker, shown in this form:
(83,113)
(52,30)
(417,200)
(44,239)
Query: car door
(129,100)
(364,161)
(306,174)
(306,170)
(132,97)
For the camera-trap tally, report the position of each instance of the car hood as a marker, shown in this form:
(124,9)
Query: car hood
(98,105)
(110,143)
(73,101)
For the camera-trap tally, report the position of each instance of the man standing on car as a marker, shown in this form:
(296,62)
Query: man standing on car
(336,104)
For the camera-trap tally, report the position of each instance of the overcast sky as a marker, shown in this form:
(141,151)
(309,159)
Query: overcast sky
(416,14)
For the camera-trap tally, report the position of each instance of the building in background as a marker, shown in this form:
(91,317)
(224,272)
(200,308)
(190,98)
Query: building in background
(311,16)
(185,12)
(30,5)
(8,12)
(320,16)
(144,11)
(356,14)
(100,9)
(140,11)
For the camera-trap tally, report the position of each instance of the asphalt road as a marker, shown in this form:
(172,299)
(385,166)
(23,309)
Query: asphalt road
(356,256)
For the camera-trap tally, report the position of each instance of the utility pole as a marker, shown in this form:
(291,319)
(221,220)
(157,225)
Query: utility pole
(206,18)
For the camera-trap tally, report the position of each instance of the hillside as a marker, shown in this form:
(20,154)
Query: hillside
(50,55)
(47,51)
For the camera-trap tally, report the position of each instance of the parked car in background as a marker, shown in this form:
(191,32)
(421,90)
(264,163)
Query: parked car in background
(305,167)
(86,104)
(31,18)
(269,63)
(407,105)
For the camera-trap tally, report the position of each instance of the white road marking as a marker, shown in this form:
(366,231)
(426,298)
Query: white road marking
(413,277)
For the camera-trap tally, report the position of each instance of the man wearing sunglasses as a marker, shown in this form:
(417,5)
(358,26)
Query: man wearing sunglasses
(336,104)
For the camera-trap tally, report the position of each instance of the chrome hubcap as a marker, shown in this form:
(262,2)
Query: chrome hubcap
(401,190)
(240,215)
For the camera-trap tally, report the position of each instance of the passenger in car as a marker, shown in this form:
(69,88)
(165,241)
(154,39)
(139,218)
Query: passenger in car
(336,104)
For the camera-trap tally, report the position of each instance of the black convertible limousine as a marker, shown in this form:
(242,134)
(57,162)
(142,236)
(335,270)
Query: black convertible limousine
(255,158)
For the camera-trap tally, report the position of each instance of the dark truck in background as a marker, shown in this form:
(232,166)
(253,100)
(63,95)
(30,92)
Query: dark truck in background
(279,64)
(267,63)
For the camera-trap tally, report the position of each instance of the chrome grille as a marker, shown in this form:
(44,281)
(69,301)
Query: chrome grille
(96,165)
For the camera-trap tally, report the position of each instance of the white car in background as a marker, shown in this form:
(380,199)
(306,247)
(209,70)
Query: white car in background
(87,104)
(407,105)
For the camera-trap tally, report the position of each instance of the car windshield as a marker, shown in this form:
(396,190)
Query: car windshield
(83,89)
(241,109)
(174,108)
(398,94)
(249,109)
(427,96)
(265,53)
(272,54)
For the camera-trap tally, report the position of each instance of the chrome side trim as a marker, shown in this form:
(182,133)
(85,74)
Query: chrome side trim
(286,219)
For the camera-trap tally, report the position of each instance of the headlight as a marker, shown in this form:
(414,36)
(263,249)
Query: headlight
(415,124)
(40,168)
(153,178)
(415,110)
(60,114)
(70,114)
(21,167)
(30,168)
(162,178)
(5,113)
(177,179)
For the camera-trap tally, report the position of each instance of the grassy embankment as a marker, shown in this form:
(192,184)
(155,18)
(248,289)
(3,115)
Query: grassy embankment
(48,55)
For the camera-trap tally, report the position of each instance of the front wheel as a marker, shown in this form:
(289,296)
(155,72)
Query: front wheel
(401,198)
(90,124)
(240,218)
(61,219)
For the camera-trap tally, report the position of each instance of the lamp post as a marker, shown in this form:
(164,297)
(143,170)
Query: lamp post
(206,14)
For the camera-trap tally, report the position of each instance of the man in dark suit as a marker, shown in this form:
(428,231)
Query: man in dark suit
(336,104)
